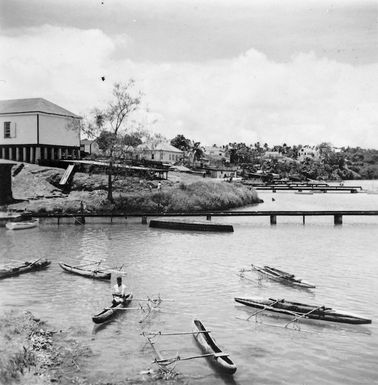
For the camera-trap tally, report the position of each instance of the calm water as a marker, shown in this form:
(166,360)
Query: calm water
(199,272)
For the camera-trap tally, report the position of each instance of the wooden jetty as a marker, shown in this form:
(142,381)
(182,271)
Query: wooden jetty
(321,187)
(112,217)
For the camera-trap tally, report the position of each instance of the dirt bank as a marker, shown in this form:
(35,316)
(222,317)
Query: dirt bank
(33,353)
(37,187)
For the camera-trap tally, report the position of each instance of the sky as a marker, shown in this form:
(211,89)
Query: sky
(216,71)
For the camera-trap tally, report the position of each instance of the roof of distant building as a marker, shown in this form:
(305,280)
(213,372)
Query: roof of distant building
(22,106)
(86,141)
(163,146)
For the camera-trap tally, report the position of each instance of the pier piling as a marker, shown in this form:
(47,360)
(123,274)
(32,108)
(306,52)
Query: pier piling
(338,219)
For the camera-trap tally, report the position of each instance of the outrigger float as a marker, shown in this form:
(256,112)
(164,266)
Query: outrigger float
(207,343)
(300,311)
(280,276)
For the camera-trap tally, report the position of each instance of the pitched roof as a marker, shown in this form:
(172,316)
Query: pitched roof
(14,106)
(163,146)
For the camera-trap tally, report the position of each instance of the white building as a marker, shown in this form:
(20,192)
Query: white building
(161,152)
(36,129)
(89,147)
(216,153)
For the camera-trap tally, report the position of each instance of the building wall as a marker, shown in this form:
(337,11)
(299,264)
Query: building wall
(23,129)
(160,156)
(58,130)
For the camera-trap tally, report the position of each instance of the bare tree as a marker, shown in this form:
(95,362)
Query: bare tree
(113,119)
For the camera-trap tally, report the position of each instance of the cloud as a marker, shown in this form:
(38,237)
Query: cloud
(248,98)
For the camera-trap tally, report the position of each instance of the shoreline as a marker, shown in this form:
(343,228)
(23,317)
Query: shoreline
(35,189)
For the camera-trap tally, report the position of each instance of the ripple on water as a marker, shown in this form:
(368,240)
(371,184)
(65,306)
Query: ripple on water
(199,272)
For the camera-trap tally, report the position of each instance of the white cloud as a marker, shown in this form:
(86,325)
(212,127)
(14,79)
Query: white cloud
(247,98)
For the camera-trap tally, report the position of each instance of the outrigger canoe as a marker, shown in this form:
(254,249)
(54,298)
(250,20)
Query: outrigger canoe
(90,273)
(24,268)
(283,276)
(111,311)
(302,311)
(209,346)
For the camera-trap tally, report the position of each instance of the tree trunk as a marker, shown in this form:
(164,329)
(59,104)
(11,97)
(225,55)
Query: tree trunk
(110,182)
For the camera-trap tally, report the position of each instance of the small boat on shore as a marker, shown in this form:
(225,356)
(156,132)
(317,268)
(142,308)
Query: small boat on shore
(110,312)
(302,311)
(209,346)
(26,267)
(21,225)
(282,276)
(94,273)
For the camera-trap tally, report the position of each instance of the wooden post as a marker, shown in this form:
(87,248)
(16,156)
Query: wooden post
(208,217)
(304,219)
(144,220)
(273,219)
(338,219)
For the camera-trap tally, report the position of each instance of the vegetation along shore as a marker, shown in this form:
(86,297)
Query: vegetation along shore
(36,188)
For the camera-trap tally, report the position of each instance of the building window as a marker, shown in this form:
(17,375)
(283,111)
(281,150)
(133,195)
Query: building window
(152,156)
(7,129)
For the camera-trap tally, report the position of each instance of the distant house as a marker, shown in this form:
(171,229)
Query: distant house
(89,147)
(36,129)
(272,155)
(216,153)
(220,172)
(162,152)
(308,152)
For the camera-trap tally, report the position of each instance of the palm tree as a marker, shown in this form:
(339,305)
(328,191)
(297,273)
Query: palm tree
(196,151)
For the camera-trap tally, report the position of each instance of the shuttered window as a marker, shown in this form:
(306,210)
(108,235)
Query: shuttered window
(7,129)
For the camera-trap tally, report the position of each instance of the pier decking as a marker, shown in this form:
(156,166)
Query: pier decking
(337,215)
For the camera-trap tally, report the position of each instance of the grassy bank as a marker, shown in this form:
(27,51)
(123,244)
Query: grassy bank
(32,354)
(37,187)
(198,196)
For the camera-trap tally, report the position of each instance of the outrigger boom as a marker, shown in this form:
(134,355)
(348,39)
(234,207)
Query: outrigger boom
(154,334)
(178,358)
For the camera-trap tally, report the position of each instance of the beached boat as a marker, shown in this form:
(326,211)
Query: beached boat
(283,276)
(26,267)
(210,347)
(111,311)
(89,272)
(302,311)
(22,224)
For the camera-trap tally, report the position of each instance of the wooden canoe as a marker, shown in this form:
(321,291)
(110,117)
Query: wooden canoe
(209,346)
(303,311)
(110,312)
(283,277)
(24,268)
(89,273)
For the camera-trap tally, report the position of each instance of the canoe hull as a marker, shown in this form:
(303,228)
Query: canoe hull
(209,346)
(24,268)
(294,309)
(271,274)
(95,274)
(108,314)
